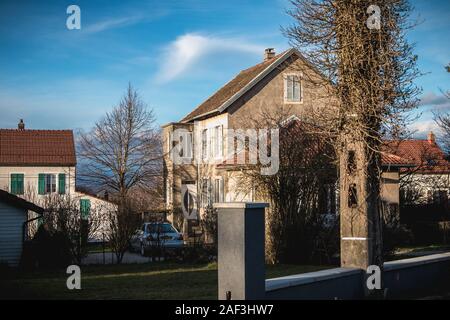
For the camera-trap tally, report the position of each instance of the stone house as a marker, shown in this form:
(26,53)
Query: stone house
(283,83)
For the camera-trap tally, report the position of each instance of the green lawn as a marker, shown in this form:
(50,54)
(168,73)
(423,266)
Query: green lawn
(143,281)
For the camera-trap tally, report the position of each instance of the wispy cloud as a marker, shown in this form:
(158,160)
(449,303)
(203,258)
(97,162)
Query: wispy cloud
(432,99)
(183,53)
(111,23)
(422,128)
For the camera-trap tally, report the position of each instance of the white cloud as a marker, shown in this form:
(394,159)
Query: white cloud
(186,51)
(422,128)
(430,98)
(111,23)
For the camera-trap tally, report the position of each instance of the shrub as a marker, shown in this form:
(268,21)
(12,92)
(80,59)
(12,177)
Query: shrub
(50,249)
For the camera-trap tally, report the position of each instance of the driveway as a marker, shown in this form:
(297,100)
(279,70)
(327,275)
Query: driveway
(110,258)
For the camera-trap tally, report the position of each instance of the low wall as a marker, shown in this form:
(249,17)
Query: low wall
(402,278)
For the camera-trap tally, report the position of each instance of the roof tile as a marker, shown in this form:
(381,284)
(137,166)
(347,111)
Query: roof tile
(37,147)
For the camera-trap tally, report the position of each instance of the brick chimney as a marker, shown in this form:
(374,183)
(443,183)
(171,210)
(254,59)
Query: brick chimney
(21,125)
(431,138)
(269,53)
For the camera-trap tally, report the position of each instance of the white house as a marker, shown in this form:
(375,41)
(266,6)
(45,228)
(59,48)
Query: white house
(38,163)
(13,215)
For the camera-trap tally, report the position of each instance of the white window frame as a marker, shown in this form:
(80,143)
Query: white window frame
(45,183)
(204,143)
(221,191)
(285,84)
(187,145)
(218,141)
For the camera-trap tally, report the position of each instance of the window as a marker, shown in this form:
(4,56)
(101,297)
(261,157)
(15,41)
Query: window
(205,144)
(218,190)
(292,88)
(47,183)
(85,208)
(17,183)
(186,145)
(218,144)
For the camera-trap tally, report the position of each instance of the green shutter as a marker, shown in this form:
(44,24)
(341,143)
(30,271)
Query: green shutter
(62,183)
(41,185)
(17,183)
(85,208)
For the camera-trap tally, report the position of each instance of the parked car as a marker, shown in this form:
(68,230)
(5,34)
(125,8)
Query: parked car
(156,234)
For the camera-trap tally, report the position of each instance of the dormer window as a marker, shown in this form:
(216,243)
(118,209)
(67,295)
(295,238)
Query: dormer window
(292,88)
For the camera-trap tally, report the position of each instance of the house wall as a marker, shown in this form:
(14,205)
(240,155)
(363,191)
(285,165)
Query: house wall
(11,238)
(390,187)
(31,178)
(267,97)
(100,206)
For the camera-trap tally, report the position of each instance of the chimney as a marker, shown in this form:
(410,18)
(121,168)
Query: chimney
(431,138)
(269,53)
(21,125)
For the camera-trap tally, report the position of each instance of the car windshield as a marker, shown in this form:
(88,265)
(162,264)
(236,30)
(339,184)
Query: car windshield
(163,228)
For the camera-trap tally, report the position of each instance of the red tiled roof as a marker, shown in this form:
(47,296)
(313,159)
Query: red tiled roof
(389,159)
(230,89)
(37,147)
(425,156)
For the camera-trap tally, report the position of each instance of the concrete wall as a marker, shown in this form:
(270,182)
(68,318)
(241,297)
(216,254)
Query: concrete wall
(407,278)
(338,283)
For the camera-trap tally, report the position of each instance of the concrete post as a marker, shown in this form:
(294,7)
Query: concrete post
(241,250)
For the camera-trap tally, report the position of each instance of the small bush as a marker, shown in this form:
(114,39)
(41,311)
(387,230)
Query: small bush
(49,250)
(395,236)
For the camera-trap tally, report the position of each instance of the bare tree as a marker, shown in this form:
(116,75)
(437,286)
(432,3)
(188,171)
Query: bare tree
(443,121)
(120,154)
(296,230)
(370,67)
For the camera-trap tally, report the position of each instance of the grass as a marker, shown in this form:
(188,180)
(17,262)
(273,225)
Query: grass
(412,251)
(134,281)
(98,248)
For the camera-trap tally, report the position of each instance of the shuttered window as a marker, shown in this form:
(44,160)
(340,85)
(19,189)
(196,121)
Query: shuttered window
(85,208)
(62,183)
(17,183)
(46,183)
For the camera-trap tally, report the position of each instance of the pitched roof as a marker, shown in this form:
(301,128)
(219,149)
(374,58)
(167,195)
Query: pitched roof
(37,147)
(19,202)
(392,160)
(425,156)
(236,87)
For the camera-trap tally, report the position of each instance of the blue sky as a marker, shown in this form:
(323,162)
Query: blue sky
(175,52)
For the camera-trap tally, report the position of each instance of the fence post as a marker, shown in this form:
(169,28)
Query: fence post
(241,269)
